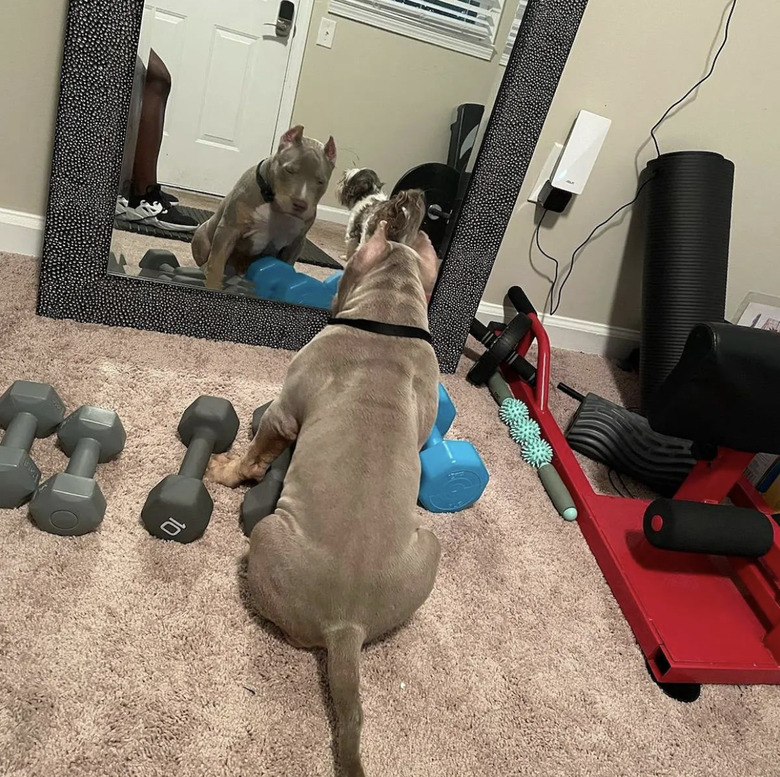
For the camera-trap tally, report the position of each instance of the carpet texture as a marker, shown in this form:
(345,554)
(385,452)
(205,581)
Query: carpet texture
(124,655)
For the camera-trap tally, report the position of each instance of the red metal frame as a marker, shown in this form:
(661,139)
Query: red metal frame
(697,618)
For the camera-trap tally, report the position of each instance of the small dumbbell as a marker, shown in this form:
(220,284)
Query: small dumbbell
(305,290)
(117,266)
(261,499)
(27,410)
(179,507)
(71,503)
(270,277)
(331,283)
(156,258)
(452,476)
(165,273)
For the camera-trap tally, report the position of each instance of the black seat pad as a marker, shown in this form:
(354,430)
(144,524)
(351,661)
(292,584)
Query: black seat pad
(725,390)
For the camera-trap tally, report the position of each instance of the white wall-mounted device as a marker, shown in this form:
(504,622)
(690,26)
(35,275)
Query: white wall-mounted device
(580,152)
(574,164)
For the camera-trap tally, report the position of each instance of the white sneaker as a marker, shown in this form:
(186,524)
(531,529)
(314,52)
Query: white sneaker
(153,208)
(120,209)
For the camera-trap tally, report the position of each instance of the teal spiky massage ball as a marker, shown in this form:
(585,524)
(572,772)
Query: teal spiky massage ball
(512,411)
(537,452)
(524,431)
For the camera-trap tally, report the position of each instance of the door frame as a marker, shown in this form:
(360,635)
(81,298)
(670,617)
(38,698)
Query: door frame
(292,75)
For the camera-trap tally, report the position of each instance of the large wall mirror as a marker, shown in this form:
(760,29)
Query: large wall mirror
(224,151)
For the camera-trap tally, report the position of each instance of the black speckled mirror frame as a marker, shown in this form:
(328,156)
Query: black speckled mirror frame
(101,39)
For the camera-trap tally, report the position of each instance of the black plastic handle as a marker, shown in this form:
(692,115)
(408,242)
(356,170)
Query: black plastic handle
(521,303)
(478,329)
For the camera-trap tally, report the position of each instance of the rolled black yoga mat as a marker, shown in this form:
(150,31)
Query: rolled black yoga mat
(687,228)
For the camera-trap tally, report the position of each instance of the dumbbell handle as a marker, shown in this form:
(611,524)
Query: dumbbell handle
(20,432)
(84,459)
(196,459)
(434,438)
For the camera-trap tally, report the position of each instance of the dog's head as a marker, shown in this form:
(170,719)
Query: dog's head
(403,215)
(379,254)
(300,171)
(357,184)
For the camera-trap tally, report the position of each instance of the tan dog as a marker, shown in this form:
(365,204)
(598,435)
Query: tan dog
(269,210)
(344,560)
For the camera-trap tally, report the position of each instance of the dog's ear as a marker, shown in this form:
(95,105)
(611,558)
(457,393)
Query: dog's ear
(330,150)
(429,262)
(372,251)
(293,136)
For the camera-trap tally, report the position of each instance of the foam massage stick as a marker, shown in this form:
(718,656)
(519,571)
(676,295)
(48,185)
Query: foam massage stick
(535,451)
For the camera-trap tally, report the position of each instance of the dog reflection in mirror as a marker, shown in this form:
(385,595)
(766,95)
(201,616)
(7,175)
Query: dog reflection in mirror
(269,210)
(361,191)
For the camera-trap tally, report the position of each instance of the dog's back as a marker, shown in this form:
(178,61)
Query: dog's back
(343,559)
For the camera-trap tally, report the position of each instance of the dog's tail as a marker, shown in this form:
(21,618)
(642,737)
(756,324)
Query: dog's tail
(344,646)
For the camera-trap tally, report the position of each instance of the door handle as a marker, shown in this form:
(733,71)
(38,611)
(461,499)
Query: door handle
(284,20)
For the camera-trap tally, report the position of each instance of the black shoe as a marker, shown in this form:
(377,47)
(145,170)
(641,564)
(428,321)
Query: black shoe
(153,207)
(172,198)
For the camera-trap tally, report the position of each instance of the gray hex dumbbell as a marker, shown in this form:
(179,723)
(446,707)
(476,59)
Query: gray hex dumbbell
(179,507)
(27,410)
(71,503)
(155,258)
(261,499)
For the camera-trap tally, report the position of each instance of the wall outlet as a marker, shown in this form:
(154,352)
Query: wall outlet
(326,33)
(546,172)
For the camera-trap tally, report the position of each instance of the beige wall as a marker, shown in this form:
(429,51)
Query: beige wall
(630,61)
(31,35)
(627,63)
(386,99)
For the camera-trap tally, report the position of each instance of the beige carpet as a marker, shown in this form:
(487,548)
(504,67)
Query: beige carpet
(124,655)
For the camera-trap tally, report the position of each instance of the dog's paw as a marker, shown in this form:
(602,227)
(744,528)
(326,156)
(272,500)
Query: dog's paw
(224,469)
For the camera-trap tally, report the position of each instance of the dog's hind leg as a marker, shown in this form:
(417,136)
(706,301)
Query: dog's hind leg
(201,244)
(222,246)
(278,429)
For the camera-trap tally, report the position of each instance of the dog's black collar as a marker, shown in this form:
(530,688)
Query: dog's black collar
(380,328)
(265,187)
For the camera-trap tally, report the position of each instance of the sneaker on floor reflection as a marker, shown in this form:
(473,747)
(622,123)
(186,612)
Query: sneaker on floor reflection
(153,207)
(172,198)
(120,209)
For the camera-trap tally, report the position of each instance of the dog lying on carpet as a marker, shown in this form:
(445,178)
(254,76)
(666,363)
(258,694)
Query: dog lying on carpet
(270,209)
(360,190)
(343,559)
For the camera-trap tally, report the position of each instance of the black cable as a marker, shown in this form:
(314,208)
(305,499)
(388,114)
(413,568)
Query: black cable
(555,305)
(623,483)
(544,253)
(697,84)
(610,471)
(582,245)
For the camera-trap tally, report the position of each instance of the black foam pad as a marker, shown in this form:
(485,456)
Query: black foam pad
(695,527)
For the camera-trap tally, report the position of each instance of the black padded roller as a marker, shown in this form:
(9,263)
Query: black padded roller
(688,223)
(695,527)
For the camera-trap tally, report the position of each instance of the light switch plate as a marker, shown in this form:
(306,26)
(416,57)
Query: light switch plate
(326,33)
(546,172)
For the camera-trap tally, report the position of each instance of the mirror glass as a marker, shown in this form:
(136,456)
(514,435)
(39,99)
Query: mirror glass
(262,134)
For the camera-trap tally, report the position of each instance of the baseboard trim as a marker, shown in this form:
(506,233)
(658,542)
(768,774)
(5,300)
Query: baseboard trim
(573,334)
(333,215)
(21,233)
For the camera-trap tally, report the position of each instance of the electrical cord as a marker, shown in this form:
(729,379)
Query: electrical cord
(555,305)
(554,308)
(698,83)
(610,473)
(548,256)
